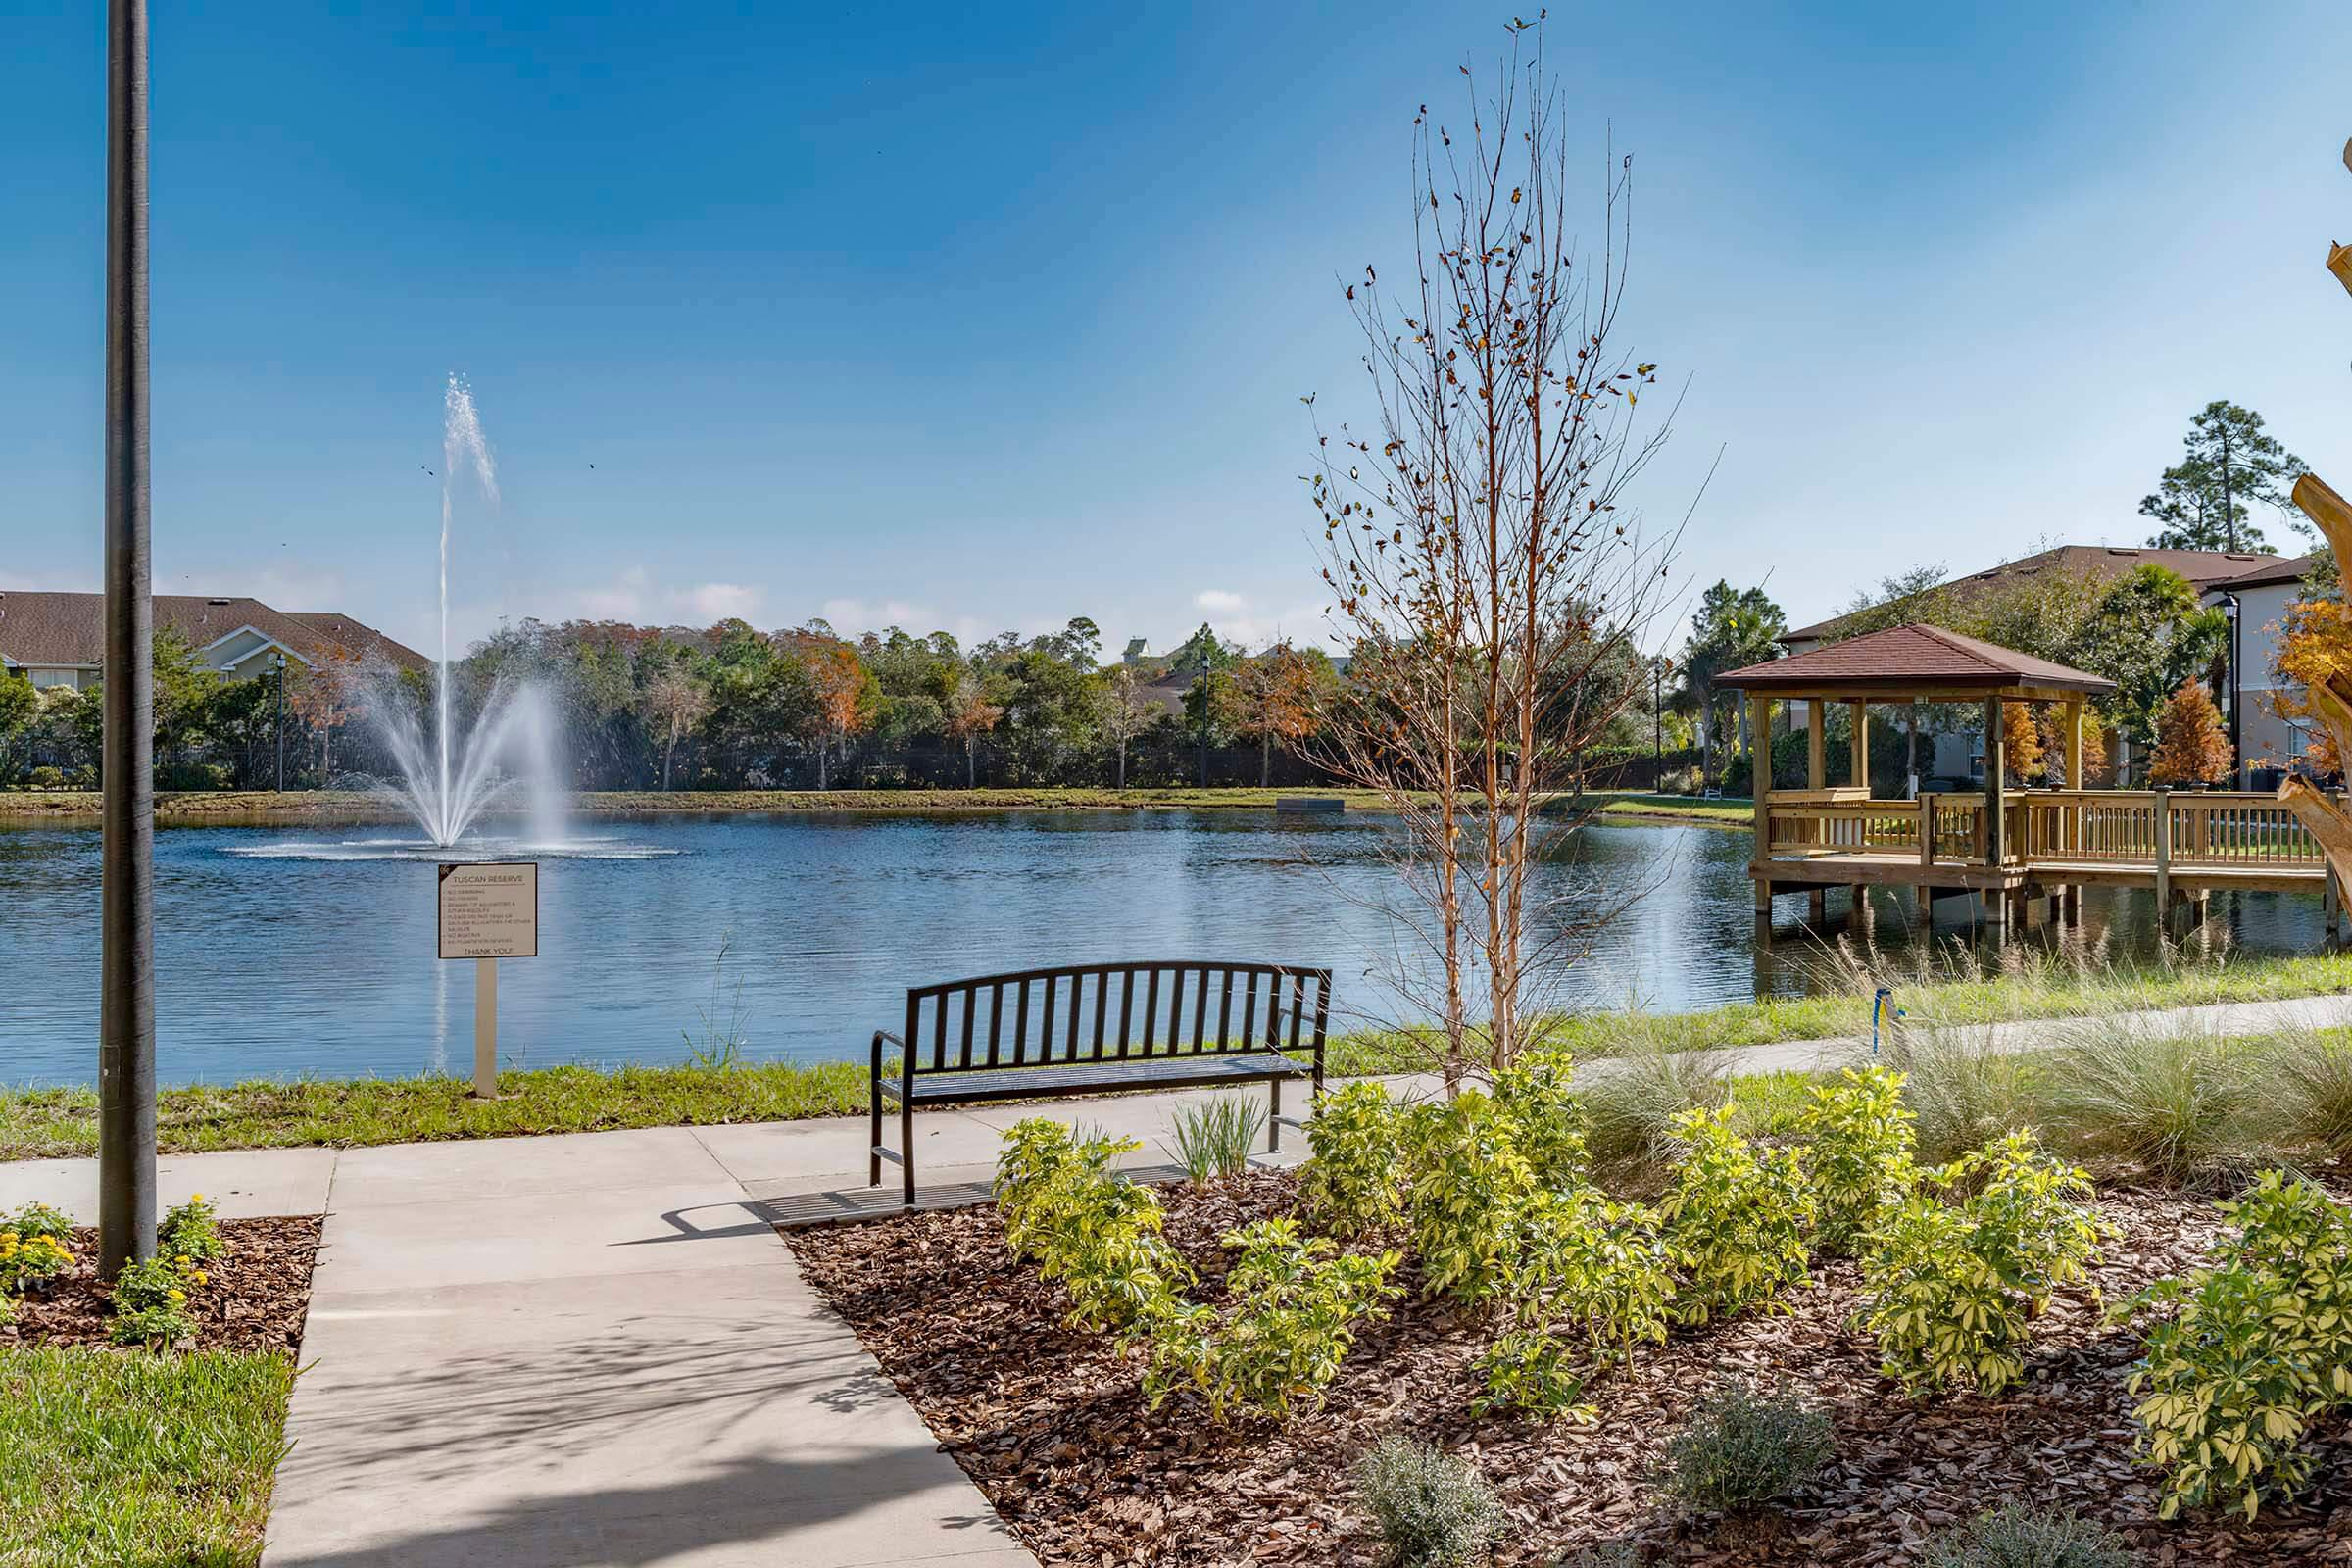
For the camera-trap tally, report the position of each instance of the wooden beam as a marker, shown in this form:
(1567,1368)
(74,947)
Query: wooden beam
(2070,735)
(1858,721)
(1995,786)
(1759,789)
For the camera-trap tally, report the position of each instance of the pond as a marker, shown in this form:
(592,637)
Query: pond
(304,951)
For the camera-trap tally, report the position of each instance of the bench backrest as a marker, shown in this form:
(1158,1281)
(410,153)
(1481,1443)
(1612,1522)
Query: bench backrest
(1115,1012)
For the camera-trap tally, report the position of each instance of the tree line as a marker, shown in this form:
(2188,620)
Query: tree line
(732,707)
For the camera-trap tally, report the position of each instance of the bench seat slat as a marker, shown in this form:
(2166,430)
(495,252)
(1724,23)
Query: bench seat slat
(1022,1083)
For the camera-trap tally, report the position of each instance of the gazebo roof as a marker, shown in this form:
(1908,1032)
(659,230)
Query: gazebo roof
(1920,661)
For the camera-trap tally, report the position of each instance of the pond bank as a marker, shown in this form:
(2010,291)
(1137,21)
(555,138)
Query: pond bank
(355,808)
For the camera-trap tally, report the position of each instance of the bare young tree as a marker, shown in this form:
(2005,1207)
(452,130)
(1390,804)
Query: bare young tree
(676,702)
(1127,709)
(1487,570)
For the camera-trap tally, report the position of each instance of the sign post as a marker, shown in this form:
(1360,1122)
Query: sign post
(488,911)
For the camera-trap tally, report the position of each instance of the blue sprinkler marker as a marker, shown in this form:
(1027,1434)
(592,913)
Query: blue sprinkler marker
(1877,1005)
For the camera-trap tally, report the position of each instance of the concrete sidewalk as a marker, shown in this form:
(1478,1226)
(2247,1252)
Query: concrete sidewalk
(594,1348)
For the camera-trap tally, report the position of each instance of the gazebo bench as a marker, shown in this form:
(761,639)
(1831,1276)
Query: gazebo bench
(1097,1028)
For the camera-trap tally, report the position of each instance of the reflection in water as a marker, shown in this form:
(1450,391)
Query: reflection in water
(280,953)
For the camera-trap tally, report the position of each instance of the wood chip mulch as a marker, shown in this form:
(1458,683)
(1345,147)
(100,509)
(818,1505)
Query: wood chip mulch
(1051,1423)
(258,1291)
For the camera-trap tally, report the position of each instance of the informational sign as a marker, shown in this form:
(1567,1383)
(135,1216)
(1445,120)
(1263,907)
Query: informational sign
(490,911)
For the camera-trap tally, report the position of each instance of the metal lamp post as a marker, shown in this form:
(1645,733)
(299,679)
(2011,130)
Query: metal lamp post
(126,857)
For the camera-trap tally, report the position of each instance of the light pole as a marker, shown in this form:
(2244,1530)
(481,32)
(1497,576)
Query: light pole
(126,854)
(277,661)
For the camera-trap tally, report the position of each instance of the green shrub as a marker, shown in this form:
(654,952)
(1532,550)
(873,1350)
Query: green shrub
(1432,1510)
(2308,1089)
(2249,1353)
(30,1263)
(1546,1118)
(1609,1554)
(1296,1307)
(38,1219)
(1467,1177)
(1355,1182)
(1217,1139)
(1736,1220)
(1956,1273)
(1859,1153)
(2180,1106)
(1579,1268)
(1963,1091)
(46,777)
(1630,1103)
(1741,1450)
(150,1301)
(191,1231)
(2014,1536)
(1066,1208)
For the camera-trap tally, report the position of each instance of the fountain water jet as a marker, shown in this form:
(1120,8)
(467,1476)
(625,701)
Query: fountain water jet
(446,781)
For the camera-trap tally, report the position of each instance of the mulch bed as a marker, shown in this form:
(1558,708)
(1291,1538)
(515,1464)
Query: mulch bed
(1052,1424)
(260,1289)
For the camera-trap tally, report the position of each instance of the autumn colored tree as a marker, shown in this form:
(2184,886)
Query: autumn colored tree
(2192,747)
(2314,649)
(1475,550)
(970,715)
(2021,742)
(326,697)
(838,689)
(1277,699)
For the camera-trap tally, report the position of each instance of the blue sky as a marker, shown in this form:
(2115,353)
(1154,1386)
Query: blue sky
(980,316)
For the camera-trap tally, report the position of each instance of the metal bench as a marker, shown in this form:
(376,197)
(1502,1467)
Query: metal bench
(1094,1028)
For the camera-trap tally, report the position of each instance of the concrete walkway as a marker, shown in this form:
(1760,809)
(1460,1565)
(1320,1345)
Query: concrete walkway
(594,1350)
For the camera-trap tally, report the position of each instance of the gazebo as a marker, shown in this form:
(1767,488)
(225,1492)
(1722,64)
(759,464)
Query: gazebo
(2011,848)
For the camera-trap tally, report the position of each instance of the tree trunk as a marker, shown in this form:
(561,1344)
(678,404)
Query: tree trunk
(971,763)
(670,747)
(1265,759)
(1122,762)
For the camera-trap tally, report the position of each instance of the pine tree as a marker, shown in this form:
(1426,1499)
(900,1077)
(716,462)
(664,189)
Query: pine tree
(2191,747)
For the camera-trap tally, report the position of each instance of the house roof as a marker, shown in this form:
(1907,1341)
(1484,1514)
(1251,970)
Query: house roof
(69,630)
(2274,571)
(1912,659)
(2204,569)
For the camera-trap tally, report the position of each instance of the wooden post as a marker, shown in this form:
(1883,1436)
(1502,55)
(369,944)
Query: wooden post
(1759,707)
(485,1028)
(2163,854)
(1859,714)
(1926,830)
(1996,800)
(1817,744)
(2071,736)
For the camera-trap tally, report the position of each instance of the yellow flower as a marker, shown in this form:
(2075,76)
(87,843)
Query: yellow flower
(179,1295)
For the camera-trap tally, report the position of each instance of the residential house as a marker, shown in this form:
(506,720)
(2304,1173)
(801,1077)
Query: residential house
(58,639)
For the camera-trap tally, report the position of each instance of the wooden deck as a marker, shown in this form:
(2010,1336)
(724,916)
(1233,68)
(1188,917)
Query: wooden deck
(2181,845)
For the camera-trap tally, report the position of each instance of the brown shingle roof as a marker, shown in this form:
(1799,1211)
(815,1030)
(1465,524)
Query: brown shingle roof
(2273,569)
(2204,568)
(70,630)
(1911,657)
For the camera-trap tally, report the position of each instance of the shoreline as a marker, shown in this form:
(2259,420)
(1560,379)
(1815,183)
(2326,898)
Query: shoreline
(357,809)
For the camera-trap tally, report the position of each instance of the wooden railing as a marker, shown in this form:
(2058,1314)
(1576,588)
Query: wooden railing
(2066,827)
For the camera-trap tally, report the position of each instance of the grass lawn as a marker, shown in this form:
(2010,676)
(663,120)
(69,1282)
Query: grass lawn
(52,1123)
(107,1457)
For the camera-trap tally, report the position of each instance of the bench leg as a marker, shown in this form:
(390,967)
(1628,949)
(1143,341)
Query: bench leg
(907,1145)
(874,1144)
(1274,1119)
